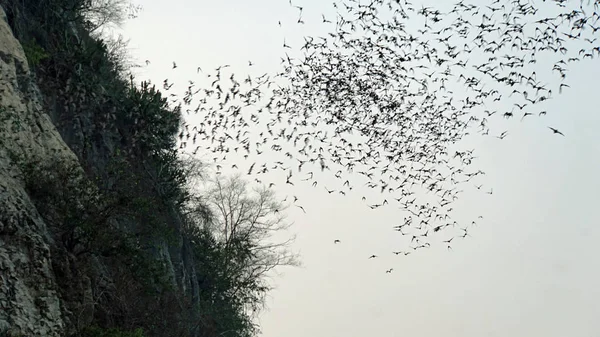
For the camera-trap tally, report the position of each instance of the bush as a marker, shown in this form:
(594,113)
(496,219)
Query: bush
(34,53)
(148,123)
(72,205)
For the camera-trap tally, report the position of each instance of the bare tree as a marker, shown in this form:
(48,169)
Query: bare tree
(101,18)
(102,13)
(247,221)
(118,51)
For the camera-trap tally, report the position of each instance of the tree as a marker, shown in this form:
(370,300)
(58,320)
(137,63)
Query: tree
(102,17)
(246,221)
(101,13)
(232,230)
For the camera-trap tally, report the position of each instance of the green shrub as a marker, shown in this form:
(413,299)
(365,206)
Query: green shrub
(146,119)
(34,53)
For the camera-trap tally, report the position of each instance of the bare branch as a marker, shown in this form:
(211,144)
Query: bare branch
(252,216)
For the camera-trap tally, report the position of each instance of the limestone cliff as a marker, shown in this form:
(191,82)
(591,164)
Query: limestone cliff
(53,282)
(101,234)
(29,302)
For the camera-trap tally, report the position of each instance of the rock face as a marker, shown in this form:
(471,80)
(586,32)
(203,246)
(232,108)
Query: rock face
(29,302)
(42,292)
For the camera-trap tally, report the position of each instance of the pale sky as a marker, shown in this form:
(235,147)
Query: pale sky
(531,268)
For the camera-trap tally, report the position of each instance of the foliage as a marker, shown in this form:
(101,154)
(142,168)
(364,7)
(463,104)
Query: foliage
(95,331)
(67,201)
(147,121)
(230,227)
(223,310)
(34,53)
(86,221)
(124,205)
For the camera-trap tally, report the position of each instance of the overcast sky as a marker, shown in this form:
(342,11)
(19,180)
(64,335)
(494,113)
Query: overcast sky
(531,268)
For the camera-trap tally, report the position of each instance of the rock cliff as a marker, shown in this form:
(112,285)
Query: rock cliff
(101,232)
(29,301)
(52,281)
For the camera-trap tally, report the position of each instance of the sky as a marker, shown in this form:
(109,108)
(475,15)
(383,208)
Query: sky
(530,268)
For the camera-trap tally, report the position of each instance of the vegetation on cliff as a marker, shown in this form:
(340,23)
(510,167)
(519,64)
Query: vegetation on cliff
(135,251)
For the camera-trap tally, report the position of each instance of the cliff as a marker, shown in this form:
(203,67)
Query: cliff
(29,300)
(93,240)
